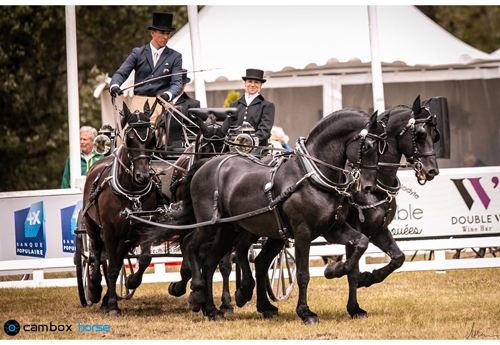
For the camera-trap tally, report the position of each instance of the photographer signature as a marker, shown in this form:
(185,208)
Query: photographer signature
(475,333)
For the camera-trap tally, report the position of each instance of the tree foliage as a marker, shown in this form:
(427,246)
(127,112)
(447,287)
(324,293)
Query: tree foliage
(478,26)
(33,92)
(33,89)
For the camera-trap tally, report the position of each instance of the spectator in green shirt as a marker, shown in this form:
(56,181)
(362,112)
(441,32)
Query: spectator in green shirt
(87,154)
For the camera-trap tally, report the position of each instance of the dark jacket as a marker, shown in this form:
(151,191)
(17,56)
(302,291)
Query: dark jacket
(260,114)
(183,104)
(141,60)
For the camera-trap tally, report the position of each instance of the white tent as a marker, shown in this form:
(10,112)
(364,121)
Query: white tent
(276,38)
(317,59)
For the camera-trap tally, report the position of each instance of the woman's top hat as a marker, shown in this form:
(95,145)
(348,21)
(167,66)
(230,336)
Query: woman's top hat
(162,22)
(185,79)
(254,74)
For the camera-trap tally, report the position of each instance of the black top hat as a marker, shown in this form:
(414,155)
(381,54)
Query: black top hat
(185,79)
(254,74)
(162,22)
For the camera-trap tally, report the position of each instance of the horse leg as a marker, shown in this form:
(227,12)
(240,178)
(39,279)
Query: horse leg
(201,235)
(383,240)
(95,285)
(244,291)
(178,289)
(225,267)
(134,280)
(356,244)
(302,248)
(269,250)
(347,236)
(352,278)
(116,254)
(222,246)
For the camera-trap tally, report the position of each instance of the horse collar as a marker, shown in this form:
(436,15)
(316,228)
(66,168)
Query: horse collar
(317,177)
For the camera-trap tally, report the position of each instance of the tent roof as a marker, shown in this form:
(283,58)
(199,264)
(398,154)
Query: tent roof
(277,38)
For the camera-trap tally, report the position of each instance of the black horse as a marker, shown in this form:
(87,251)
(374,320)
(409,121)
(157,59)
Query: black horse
(304,196)
(121,180)
(210,141)
(411,131)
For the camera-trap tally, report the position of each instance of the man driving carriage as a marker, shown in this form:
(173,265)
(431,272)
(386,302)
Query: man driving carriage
(150,61)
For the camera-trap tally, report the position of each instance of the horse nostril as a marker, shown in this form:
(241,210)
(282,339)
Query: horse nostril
(368,189)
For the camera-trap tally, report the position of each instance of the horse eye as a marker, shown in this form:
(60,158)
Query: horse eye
(368,146)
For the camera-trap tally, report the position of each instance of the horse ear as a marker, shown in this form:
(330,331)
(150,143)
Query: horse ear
(372,126)
(384,118)
(147,109)
(417,108)
(225,126)
(126,115)
(203,127)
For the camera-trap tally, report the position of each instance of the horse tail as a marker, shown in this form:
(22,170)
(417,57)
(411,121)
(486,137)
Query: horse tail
(180,213)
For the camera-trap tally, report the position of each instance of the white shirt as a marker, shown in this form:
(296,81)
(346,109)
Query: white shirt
(154,50)
(249,98)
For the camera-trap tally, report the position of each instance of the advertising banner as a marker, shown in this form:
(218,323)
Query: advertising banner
(38,224)
(458,203)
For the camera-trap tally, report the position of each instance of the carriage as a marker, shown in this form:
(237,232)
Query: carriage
(167,162)
(352,139)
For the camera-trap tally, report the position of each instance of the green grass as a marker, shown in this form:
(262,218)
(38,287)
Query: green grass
(408,305)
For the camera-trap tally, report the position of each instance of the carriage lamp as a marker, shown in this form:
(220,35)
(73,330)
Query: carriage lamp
(244,138)
(104,141)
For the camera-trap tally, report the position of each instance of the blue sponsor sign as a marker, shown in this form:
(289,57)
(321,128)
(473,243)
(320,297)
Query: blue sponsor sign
(30,231)
(69,217)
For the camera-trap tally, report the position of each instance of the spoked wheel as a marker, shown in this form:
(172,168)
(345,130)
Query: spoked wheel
(122,291)
(84,263)
(282,274)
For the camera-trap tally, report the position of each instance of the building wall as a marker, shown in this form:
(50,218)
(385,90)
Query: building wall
(473,107)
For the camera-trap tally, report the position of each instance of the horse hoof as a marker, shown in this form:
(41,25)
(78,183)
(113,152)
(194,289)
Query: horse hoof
(240,299)
(333,270)
(95,294)
(132,282)
(172,290)
(217,316)
(358,314)
(311,320)
(114,313)
(227,309)
(195,302)
(270,314)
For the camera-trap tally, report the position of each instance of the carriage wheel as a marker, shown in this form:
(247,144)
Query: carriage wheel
(84,263)
(122,292)
(281,275)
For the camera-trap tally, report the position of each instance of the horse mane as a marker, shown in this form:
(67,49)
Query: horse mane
(337,116)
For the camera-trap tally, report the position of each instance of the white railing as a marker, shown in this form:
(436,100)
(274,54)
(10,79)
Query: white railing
(36,272)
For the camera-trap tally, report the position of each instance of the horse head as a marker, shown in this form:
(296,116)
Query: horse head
(213,134)
(349,135)
(363,151)
(412,132)
(139,140)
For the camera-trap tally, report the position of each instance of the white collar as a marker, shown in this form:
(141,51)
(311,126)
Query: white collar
(153,50)
(249,98)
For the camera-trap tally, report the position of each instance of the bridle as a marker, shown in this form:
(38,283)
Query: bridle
(319,179)
(142,130)
(415,158)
